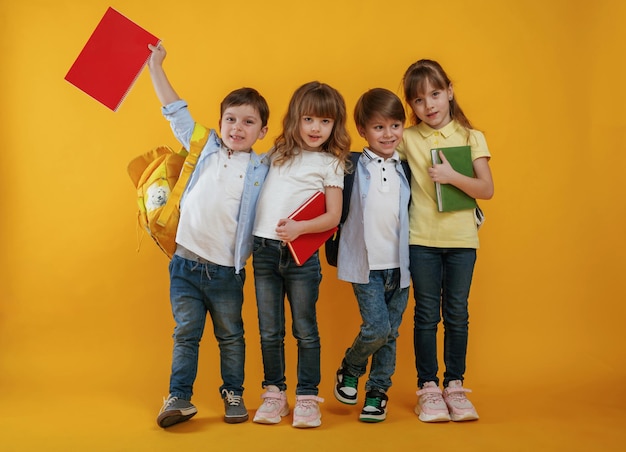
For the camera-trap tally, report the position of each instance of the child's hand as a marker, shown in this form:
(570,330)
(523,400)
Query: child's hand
(157,57)
(288,230)
(442,172)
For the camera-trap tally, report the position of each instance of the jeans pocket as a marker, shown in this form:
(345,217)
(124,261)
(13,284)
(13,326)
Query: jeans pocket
(257,244)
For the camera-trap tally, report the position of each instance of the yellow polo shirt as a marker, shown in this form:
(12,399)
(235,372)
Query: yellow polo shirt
(428,226)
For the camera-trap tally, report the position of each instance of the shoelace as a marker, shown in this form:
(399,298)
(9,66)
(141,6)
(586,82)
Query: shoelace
(231,398)
(349,381)
(167,402)
(373,401)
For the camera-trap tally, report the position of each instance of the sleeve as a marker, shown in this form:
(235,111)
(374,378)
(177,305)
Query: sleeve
(180,120)
(334,174)
(478,145)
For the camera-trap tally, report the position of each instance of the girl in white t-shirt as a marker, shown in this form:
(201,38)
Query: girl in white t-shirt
(308,156)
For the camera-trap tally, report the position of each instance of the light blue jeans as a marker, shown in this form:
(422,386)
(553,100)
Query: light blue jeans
(195,290)
(381,303)
(276,275)
(441,284)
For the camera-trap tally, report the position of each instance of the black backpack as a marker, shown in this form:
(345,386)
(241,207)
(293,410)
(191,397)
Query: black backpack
(332,244)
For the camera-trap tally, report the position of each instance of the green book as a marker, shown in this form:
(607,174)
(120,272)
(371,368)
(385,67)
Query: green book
(450,198)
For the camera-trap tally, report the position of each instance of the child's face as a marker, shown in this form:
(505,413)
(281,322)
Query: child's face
(240,127)
(383,135)
(433,106)
(315,131)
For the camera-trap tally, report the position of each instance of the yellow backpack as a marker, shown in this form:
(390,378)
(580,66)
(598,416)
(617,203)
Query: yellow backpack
(160,177)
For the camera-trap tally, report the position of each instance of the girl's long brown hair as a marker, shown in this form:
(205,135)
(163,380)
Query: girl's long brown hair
(313,99)
(414,82)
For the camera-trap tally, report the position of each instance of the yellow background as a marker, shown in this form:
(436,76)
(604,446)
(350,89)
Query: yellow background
(85,324)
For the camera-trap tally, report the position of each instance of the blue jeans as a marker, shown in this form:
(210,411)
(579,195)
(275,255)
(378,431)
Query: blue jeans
(381,303)
(276,275)
(441,284)
(195,289)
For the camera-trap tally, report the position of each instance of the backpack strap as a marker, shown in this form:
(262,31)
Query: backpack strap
(407,170)
(199,138)
(348,182)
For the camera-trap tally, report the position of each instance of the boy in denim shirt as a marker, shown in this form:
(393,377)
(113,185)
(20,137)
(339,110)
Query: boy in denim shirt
(213,242)
(374,252)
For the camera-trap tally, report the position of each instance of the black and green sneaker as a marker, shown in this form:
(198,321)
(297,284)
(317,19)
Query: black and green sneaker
(375,408)
(346,387)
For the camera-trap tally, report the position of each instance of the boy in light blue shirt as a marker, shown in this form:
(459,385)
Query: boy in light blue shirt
(374,252)
(213,242)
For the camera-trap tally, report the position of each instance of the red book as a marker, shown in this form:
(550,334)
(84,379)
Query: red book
(305,245)
(112,59)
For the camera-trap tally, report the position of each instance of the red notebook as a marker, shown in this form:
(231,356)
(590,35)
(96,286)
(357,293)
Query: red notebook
(304,246)
(112,59)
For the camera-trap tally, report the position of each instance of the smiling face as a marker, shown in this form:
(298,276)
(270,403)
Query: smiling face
(433,105)
(383,135)
(315,131)
(241,127)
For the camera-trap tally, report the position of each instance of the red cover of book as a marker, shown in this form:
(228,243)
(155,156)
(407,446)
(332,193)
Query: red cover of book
(112,59)
(304,246)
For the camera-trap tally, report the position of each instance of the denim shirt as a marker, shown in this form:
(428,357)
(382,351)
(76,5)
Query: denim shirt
(352,260)
(182,125)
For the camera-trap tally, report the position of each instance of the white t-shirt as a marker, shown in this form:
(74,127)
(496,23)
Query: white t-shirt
(289,185)
(208,220)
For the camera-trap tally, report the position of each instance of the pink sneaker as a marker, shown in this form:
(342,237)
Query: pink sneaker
(461,409)
(273,408)
(430,404)
(307,412)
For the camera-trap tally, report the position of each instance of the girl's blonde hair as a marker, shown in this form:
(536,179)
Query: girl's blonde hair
(414,82)
(313,99)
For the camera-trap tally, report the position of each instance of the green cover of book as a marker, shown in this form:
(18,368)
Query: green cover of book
(450,198)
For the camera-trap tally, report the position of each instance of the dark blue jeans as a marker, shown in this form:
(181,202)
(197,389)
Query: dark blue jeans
(276,275)
(441,283)
(381,303)
(195,289)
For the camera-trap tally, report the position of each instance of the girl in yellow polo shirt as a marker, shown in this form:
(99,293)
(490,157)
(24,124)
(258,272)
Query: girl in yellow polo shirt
(442,244)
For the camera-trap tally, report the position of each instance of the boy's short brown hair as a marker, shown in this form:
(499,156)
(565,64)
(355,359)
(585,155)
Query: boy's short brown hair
(247,96)
(378,102)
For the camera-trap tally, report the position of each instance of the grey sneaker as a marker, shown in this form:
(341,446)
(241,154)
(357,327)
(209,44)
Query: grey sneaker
(174,411)
(234,408)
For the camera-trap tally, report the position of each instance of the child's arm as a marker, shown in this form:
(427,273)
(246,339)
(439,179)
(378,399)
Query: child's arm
(164,90)
(289,230)
(478,187)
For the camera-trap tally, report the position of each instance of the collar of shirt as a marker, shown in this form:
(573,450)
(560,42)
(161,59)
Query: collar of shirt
(373,157)
(446,131)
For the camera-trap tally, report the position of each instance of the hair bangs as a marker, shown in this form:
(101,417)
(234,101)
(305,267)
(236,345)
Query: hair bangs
(416,81)
(319,103)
